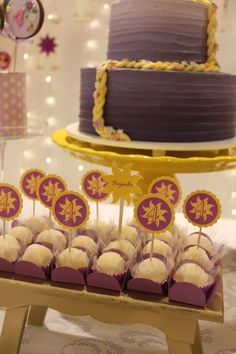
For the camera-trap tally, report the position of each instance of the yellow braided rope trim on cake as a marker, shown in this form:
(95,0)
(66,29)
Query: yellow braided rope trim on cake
(210,65)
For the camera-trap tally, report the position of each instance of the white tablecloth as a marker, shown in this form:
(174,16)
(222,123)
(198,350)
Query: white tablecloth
(63,334)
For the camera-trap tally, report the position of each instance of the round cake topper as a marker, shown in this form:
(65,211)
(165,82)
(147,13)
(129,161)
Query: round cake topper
(93,185)
(167,188)
(202,208)
(24,17)
(29,183)
(154,214)
(49,188)
(71,210)
(10,202)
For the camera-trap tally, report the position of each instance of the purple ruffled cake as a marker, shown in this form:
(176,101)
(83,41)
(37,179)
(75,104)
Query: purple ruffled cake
(165,106)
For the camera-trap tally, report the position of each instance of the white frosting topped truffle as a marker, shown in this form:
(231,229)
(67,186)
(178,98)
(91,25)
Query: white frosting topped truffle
(22,233)
(123,245)
(205,242)
(128,233)
(158,247)
(163,236)
(37,254)
(54,237)
(37,224)
(73,258)
(9,248)
(191,273)
(153,269)
(85,242)
(198,255)
(110,263)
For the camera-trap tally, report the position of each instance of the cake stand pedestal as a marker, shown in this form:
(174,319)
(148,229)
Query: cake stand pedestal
(33,129)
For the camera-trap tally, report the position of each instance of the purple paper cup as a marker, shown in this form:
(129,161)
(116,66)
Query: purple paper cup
(29,271)
(114,283)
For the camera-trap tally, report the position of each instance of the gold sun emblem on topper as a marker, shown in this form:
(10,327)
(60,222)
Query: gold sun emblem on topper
(154,214)
(70,210)
(121,183)
(51,191)
(166,191)
(96,185)
(201,209)
(7,202)
(32,183)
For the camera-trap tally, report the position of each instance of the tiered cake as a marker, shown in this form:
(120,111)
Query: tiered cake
(161,81)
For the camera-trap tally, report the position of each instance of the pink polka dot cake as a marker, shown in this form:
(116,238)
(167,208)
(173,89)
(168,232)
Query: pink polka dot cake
(13,110)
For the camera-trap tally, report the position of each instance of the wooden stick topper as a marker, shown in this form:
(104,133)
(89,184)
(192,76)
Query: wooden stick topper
(10,203)
(71,211)
(121,184)
(29,183)
(202,208)
(93,185)
(154,214)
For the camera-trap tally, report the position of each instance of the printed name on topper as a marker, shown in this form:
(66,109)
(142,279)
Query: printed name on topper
(10,202)
(71,210)
(24,17)
(49,188)
(168,188)
(93,185)
(29,182)
(202,208)
(154,214)
(121,183)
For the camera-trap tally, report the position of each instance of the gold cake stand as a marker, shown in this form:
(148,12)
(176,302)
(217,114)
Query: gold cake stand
(149,163)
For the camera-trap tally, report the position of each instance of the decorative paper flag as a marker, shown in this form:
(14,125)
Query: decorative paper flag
(49,188)
(93,185)
(10,202)
(121,184)
(202,208)
(71,210)
(154,214)
(168,188)
(30,181)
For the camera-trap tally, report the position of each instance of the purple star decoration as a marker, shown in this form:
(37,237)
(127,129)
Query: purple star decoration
(47,44)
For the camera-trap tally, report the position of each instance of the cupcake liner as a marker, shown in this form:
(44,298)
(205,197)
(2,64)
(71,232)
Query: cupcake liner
(28,271)
(104,281)
(45,244)
(65,276)
(190,294)
(6,268)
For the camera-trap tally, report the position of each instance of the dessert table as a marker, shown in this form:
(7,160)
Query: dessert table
(116,325)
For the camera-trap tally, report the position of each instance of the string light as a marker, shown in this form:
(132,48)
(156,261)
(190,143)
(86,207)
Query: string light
(21,171)
(94,24)
(81,168)
(51,121)
(48,160)
(26,56)
(91,65)
(91,44)
(106,7)
(48,141)
(48,79)
(28,154)
(51,101)
(234,212)
(234,195)
(234,173)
